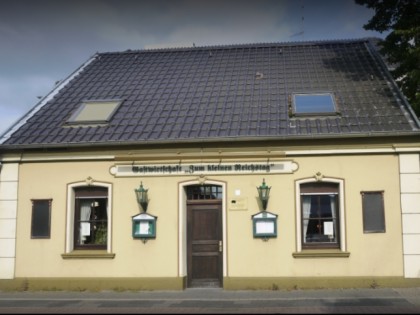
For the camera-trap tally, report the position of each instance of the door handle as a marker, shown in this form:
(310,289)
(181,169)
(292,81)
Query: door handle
(220,246)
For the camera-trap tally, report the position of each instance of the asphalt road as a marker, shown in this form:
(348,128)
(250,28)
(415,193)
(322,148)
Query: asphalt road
(215,301)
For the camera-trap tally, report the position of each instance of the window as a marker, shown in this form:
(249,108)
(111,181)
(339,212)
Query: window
(314,104)
(320,215)
(94,112)
(373,211)
(199,192)
(91,218)
(41,218)
(88,220)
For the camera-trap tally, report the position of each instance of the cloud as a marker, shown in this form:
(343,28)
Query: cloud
(224,22)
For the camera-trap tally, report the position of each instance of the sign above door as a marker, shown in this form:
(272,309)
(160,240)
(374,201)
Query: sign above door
(278,167)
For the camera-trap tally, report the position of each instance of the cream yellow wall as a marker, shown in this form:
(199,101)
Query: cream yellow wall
(375,254)
(42,257)
(378,254)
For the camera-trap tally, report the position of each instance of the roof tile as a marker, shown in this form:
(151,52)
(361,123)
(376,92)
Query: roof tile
(208,93)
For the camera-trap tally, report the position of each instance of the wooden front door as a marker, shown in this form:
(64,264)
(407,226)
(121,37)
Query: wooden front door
(204,243)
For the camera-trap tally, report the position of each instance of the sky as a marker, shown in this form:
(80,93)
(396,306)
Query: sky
(44,41)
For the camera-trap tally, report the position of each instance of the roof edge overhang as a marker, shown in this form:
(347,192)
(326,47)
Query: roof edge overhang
(402,100)
(413,137)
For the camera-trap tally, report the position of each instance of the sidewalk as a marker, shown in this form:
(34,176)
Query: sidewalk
(350,301)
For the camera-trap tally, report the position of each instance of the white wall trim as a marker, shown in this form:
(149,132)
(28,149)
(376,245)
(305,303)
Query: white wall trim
(288,153)
(9,184)
(410,212)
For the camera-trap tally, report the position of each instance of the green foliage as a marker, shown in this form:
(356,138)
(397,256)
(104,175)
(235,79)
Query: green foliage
(100,235)
(401,45)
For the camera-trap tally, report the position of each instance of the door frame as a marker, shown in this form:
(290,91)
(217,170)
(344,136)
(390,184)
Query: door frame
(182,225)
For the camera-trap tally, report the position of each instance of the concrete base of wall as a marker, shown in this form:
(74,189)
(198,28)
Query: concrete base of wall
(237,283)
(286,283)
(92,284)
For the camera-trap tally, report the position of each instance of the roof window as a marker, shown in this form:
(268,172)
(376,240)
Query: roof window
(94,112)
(314,104)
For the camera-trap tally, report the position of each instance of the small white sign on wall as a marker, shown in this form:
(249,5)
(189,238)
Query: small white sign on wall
(238,204)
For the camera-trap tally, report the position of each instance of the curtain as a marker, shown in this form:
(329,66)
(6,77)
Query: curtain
(306,210)
(85,211)
(333,201)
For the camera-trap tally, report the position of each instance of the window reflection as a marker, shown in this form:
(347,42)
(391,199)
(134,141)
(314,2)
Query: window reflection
(314,103)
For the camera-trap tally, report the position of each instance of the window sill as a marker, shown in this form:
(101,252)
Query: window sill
(321,253)
(90,254)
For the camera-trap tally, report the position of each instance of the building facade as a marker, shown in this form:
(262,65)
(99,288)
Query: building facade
(147,170)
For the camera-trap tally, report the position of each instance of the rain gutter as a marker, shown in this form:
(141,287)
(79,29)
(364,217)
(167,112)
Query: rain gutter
(209,140)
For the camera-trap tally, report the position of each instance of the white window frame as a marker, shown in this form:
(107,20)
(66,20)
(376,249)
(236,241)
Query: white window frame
(70,214)
(342,211)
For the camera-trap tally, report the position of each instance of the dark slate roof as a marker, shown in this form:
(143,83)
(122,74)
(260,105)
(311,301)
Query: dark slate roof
(219,93)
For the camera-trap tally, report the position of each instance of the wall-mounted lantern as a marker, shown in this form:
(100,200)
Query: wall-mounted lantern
(144,226)
(142,198)
(264,193)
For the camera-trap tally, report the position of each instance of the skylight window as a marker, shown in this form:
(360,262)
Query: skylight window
(314,104)
(94,112)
